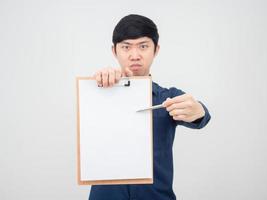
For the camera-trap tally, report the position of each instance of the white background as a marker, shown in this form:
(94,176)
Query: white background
(215,50)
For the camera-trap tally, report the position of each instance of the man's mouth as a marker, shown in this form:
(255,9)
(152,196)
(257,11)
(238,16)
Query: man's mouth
(135,67)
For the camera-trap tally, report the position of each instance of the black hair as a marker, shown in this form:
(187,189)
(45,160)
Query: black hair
(134,26)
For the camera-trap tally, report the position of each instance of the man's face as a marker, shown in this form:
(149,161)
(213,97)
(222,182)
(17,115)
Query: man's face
(136,54)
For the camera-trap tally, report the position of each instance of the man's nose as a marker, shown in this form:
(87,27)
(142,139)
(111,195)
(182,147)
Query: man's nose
(135,54)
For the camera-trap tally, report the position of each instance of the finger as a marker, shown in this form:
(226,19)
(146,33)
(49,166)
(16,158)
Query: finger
(118,75)
(98,77)
(179,117)
(181,98)
(111,77)
(167,102)
(105,78)
(173,106)
(178,112)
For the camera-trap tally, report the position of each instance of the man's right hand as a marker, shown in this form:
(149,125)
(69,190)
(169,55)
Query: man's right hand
(107,77)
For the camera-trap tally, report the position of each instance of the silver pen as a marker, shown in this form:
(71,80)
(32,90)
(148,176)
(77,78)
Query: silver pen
(151,108)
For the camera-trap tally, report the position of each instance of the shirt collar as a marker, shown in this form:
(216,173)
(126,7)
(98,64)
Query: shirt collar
(154,88)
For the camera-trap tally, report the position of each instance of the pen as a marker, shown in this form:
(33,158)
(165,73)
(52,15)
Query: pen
(151,108)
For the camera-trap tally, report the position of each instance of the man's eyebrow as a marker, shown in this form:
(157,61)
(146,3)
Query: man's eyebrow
(125,43)
(143,42)
(137,43)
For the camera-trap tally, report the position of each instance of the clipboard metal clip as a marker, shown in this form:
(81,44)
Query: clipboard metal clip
(124,82)
(128,83)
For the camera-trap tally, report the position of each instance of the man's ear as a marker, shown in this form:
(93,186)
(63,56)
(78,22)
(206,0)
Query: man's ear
(157,50)
(114,51)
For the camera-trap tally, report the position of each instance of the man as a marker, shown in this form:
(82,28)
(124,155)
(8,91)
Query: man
(135,45)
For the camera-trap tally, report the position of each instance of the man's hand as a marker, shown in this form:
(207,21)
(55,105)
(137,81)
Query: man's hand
(107,77)
(184,108)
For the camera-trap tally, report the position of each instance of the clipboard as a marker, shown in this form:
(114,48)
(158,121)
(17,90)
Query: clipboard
(114,142)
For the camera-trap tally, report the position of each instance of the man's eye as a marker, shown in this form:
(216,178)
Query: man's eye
(144,46)
(125,47)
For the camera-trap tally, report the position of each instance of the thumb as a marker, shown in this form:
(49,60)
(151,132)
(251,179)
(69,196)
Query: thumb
(166,102)
(127,72)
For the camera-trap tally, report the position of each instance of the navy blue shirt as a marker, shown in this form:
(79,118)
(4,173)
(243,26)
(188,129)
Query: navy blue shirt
(163,136)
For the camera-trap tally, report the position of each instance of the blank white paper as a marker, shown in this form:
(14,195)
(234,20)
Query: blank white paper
(115,140)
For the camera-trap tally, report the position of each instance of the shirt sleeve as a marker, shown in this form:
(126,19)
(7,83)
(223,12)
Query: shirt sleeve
(197,124)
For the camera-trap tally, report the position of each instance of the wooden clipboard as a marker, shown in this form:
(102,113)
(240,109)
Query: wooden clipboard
(114,142)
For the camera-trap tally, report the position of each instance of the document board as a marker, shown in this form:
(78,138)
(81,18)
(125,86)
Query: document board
(115,143)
